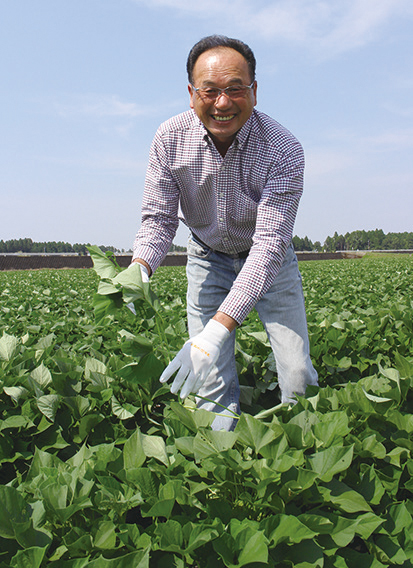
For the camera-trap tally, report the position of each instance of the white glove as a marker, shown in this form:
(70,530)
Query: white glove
(144,272)
(196,358)
(145,280)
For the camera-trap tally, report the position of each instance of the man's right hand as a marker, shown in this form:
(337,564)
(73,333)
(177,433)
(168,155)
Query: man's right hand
(145,280)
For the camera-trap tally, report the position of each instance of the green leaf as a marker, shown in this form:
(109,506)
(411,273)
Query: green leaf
(28,558)
(170,536)
(332,426)
(191,418)
(105,536)
(398,519)
(133,454)
(299,429)
(94,365)
(344,498)
(9,347)
(139,446)
(78,404)
(329,462)
(154,447)
(253,548)
(42,376)
(16,520)
(48,405)
(254,433)
(123,412)
(136,345)
(131,282)
(371,487)
(106,305)
(198,534)
(306,554)
(286,528)
(388,550)
(208,443)
(137,559)
(17,421)
(15,513)
(404,366)
(102,263)
(16,393)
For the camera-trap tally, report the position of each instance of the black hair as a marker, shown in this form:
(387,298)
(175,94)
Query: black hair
(213,41)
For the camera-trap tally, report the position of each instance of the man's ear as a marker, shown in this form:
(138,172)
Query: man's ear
(191,96)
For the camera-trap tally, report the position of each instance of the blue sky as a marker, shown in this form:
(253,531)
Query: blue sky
(85,84)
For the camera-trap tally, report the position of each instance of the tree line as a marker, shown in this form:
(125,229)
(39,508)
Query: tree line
(356,240)
(29,246)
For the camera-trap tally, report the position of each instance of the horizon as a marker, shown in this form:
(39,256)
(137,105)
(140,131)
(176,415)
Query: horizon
(122,250)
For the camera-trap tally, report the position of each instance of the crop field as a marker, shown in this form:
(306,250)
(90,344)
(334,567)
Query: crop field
(101,466)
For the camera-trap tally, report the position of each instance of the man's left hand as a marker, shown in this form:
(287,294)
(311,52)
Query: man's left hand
(196,359)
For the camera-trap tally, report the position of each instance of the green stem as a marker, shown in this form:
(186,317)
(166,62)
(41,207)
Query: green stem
(238,416)
(269,411)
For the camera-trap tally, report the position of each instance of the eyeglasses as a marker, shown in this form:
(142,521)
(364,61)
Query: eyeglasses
(233,92)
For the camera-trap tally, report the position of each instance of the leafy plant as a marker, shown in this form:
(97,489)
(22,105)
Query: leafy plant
(101,466)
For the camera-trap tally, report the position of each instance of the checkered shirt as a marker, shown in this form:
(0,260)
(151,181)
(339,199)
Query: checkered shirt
(246,200)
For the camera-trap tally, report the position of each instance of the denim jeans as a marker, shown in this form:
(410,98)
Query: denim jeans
(282,312)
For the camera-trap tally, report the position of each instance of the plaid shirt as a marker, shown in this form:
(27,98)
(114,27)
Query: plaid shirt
(246,200)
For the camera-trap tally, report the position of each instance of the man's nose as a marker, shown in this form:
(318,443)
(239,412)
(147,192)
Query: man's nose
(222,100)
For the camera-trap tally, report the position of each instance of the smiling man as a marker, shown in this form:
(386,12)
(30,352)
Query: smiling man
(224,98)
(237,177)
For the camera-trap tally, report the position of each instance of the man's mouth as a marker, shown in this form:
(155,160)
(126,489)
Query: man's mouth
(223,118)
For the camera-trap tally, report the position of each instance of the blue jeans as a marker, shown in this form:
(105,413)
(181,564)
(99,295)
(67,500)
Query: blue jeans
(282,312)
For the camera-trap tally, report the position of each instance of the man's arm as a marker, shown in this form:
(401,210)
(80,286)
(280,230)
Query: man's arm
(225,320)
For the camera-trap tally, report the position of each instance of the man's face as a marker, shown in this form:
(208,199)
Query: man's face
(222,67)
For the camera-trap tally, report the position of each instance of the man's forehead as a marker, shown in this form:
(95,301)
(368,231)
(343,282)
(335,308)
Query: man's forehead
(220,58)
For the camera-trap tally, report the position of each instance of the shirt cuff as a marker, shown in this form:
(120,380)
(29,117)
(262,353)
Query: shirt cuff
(149,255)
(238,305)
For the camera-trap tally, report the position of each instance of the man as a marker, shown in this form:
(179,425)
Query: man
(237,176)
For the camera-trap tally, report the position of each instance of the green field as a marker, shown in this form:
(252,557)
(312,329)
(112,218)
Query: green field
(101,466)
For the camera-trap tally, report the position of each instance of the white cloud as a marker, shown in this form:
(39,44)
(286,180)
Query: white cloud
(391,140)
(347,154)
(327,27)
(118,164)
(101,106)
(321,162)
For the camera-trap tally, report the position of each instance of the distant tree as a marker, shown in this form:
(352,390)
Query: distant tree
(329,245)
(307,244)
(407,241)
(391,241)
(297,243)
(339,241)
(375,239)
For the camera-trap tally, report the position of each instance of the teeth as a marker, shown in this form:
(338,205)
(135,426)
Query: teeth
(224,118)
